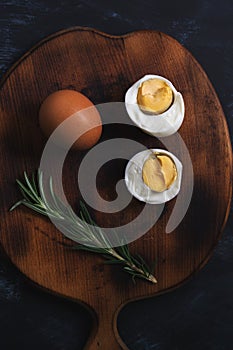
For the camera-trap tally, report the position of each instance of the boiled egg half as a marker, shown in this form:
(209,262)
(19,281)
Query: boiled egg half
(155,106)
(154,176)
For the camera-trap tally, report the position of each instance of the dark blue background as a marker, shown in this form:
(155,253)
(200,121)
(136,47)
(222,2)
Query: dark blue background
(199,315)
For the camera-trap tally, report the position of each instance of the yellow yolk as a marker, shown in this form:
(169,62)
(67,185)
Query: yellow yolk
(154,96)
(159,172)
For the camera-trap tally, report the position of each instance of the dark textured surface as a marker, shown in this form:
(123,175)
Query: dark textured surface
(199,315)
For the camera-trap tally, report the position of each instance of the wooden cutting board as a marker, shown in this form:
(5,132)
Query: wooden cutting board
(103,67)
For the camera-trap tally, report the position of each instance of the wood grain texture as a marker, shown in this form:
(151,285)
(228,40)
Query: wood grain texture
(103,67)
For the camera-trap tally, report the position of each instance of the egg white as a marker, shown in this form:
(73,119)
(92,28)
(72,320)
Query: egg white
(160,125)
(137,187)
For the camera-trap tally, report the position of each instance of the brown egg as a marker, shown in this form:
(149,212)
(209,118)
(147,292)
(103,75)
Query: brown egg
(62,104)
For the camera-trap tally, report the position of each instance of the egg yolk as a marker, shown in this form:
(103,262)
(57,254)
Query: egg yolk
(159,172)
(154,96)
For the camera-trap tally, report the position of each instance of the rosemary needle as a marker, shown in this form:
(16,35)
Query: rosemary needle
(82,227)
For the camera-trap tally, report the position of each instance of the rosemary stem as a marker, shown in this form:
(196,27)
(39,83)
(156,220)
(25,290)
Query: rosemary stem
(148,276)
(80,229)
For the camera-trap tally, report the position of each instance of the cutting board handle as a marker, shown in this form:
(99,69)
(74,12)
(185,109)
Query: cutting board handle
(105,335)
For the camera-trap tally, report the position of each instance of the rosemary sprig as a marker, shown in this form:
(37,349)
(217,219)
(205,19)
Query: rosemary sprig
(83,228)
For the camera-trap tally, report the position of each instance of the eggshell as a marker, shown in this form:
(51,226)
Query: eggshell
(62,104)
